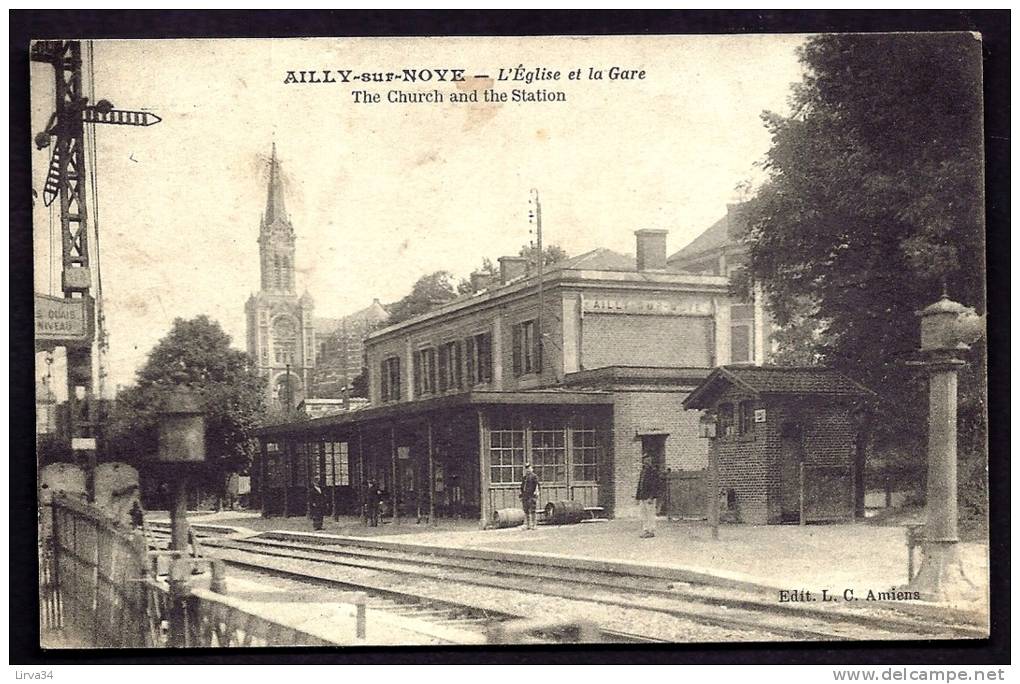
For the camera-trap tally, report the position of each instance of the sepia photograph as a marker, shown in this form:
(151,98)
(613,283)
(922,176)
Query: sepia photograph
(459,341)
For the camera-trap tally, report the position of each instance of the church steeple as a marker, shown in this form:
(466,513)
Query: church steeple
(275,209)
(276,237)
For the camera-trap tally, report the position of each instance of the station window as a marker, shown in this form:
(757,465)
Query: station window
(527,353)
(425,371)
(746,417)
(585,451)
(478,359)
(740,344)
(299,465)
(506,451)
(337,464)
(450,355)
(549,451)
(725,420)
(389,378)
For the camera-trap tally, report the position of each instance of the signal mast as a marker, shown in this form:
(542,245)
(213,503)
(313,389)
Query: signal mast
(67,179)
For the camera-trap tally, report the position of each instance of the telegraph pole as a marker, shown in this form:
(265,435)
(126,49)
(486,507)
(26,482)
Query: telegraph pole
(66,179)
(536,215)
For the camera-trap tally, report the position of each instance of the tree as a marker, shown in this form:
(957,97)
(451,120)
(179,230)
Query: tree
(195,353)
(465,286)
(873,203)
(430,291)
(552,253)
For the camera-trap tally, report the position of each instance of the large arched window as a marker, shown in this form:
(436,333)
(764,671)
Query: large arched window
(284,340)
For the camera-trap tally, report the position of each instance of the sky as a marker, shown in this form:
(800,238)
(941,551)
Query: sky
(380,194)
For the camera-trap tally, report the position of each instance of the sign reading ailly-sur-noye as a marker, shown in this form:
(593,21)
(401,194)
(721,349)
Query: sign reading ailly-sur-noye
(647,307)
(61,320)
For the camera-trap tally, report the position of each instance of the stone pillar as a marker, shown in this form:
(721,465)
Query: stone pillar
(941,576)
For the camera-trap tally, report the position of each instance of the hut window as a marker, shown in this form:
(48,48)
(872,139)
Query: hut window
(506,451)
(585,451)
(725,420)
(746,417)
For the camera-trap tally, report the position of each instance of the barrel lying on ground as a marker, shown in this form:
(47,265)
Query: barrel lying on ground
(508,517)
(564,512)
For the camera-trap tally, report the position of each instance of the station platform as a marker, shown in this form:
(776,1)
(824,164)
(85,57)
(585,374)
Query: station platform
(765,560)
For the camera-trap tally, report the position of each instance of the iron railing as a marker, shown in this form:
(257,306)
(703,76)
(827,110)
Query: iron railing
(97,588)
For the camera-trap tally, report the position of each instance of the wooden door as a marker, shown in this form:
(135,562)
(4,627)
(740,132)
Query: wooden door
(790,458)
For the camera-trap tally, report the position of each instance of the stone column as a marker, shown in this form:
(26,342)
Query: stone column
(941,576)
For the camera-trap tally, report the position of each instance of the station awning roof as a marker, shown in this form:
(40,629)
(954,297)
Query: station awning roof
(411,409)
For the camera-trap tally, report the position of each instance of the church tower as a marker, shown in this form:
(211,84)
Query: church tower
(281,332)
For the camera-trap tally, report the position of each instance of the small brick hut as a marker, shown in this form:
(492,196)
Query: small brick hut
(784,441)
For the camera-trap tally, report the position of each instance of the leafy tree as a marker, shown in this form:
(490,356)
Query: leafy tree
(195,353)
(873,203)
(464,286)
(359,385)
(429,291)
(552,254)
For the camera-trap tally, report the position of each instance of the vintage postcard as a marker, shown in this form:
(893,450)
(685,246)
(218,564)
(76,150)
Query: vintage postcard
(510,340)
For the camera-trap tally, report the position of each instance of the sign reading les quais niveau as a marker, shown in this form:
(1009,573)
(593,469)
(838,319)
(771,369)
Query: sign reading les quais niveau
(60,319)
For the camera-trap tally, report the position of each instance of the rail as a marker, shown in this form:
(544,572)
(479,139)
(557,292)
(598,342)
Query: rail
(97,587)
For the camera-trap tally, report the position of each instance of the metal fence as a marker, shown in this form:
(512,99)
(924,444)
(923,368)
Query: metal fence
(97,588)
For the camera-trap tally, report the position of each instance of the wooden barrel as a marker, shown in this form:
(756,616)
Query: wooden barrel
(564,512)
(508,517)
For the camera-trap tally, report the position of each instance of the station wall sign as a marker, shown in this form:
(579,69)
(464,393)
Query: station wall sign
(59,320)
(647,307)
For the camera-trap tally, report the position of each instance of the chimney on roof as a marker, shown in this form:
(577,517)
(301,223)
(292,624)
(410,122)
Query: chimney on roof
(480,280)
(651,249)
(511,268)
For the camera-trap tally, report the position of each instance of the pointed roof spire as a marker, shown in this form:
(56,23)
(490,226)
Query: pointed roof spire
(275,209)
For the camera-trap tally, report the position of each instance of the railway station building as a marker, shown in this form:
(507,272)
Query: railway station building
(578,372)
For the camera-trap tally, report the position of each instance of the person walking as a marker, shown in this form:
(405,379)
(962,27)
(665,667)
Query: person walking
(648,494)
(316,502)
(529,496)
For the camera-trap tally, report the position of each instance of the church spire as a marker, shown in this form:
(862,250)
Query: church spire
(275,209)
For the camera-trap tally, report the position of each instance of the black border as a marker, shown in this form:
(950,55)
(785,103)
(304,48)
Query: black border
(25,25)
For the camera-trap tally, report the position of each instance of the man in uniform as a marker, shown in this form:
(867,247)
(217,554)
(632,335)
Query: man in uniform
(372,503)
(529,495)
(316,502)
(648,494)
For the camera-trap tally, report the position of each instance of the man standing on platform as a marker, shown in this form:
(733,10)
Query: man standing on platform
(316,502)
(529,495)
(372,503)
(648,494)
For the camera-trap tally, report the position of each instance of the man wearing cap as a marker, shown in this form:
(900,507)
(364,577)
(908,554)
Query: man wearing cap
(529,496)
(316,503)
(648,494)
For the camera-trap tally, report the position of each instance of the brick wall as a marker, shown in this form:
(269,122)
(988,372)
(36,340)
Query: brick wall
(752,464)
(638,340)
(747,463)
(651,411)
(473,322)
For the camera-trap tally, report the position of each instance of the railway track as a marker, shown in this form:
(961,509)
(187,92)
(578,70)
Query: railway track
(468,618)
(633,594)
